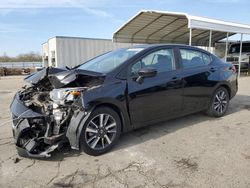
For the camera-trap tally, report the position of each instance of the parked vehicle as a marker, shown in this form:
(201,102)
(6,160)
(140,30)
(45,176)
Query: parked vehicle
(234,54)
(89,106)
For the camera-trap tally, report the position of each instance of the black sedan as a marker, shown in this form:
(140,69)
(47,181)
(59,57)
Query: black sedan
(89,106)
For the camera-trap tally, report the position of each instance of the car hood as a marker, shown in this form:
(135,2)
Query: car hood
(63,77)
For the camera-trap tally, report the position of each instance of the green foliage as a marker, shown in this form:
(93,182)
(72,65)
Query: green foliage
(27,57)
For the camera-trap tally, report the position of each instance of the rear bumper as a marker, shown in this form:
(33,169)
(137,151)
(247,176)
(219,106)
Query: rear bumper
(234,86)
(234,90)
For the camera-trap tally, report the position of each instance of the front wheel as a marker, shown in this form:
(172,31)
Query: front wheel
(219,103)
(101,131)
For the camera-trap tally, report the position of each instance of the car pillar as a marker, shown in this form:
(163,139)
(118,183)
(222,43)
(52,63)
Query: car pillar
(239,60)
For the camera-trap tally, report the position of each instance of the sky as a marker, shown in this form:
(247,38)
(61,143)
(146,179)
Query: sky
(26,24)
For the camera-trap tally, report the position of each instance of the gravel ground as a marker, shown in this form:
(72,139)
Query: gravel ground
(193,151)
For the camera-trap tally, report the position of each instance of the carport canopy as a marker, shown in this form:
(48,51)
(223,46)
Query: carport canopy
(173,27)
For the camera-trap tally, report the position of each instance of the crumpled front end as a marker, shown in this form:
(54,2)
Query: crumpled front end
(39,123)
(42,114)
(26,123)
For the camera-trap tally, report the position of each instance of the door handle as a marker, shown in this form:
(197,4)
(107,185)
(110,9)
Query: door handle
(176,78)
(213,69)
(175,82)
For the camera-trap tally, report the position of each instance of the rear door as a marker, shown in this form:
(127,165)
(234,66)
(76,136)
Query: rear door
(159,97)
(198,81)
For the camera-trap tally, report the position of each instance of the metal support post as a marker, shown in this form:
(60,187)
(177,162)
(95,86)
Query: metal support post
(226,47)
(210,41)
(239,66)
(190,37)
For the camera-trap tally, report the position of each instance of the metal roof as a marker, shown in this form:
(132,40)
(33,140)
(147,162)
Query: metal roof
(173,27)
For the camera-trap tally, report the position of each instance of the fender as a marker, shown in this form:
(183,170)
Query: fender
(228,85)
(119,107)
(75,127)
(80,117)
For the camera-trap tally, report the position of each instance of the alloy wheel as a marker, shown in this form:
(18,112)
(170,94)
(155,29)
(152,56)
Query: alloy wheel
(220,102)
(100,131)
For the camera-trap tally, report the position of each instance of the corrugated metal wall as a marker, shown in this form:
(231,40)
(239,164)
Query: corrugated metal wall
(45,54)
(74,51)
(71,51)
(50,46)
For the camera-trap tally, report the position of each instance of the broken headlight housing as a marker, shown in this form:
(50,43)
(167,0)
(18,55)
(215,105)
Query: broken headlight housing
(64,95)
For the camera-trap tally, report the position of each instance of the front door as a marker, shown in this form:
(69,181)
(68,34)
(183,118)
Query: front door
(156,98)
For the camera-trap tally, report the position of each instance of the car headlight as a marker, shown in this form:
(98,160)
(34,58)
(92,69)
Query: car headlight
(60,96)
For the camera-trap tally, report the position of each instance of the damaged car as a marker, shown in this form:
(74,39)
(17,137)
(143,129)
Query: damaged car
(91,105)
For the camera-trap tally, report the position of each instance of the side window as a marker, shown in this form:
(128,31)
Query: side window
(162,60)
(206,58)
(193,58)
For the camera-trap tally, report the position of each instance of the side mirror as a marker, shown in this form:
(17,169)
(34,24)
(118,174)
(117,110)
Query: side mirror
(146,73)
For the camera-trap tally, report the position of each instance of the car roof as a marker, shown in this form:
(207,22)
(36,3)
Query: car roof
(157,45)
(151,46)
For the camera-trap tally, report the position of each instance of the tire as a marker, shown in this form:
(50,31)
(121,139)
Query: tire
(219,103)
(99,136)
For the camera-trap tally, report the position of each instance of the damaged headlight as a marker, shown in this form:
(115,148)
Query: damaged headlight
(60,96)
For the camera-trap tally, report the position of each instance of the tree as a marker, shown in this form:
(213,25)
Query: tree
(27,57)
(5,57)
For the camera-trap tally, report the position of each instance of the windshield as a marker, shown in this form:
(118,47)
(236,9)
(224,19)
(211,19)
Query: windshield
(109,61)
(235,48)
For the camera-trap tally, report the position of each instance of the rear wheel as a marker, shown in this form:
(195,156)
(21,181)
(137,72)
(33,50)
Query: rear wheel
(219,103)
(101,131)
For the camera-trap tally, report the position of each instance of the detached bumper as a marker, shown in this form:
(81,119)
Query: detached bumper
(21,116)
(24,153)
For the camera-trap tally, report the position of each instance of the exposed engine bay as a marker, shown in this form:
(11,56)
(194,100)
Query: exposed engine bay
(42,111)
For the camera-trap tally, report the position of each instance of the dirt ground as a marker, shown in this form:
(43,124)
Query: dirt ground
(193,151)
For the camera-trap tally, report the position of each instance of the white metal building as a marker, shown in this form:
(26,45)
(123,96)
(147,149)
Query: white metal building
(62,51)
